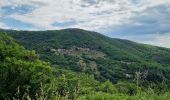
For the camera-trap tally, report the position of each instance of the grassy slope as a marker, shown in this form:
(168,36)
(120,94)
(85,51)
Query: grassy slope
(123,57)
(82,38)
(15,61)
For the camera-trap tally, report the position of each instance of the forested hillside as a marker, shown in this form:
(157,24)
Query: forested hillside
(92,53)
(85,66)
(24,77)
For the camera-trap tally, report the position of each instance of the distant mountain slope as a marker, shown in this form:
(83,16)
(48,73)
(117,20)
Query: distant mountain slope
(24,77)
(93,53)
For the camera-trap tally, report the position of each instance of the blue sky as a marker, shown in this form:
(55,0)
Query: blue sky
(144,21)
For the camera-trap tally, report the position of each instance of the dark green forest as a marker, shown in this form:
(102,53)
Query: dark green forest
(75,64)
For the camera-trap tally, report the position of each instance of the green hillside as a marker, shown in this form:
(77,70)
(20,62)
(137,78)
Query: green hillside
(92,53)
(24,77)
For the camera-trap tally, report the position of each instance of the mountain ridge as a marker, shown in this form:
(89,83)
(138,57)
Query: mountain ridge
(121,57)
(9,30)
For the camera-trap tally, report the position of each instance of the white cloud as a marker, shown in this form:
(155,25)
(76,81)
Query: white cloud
(3,26)
(162,40)
(89,14)
(157,39)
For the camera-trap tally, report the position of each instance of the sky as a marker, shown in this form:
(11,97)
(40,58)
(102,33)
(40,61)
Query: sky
(144,21)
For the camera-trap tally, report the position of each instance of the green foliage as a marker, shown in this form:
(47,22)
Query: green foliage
(107,58)
(126,88)
(143,96)
(99,68)
(20,68)
(107,87)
